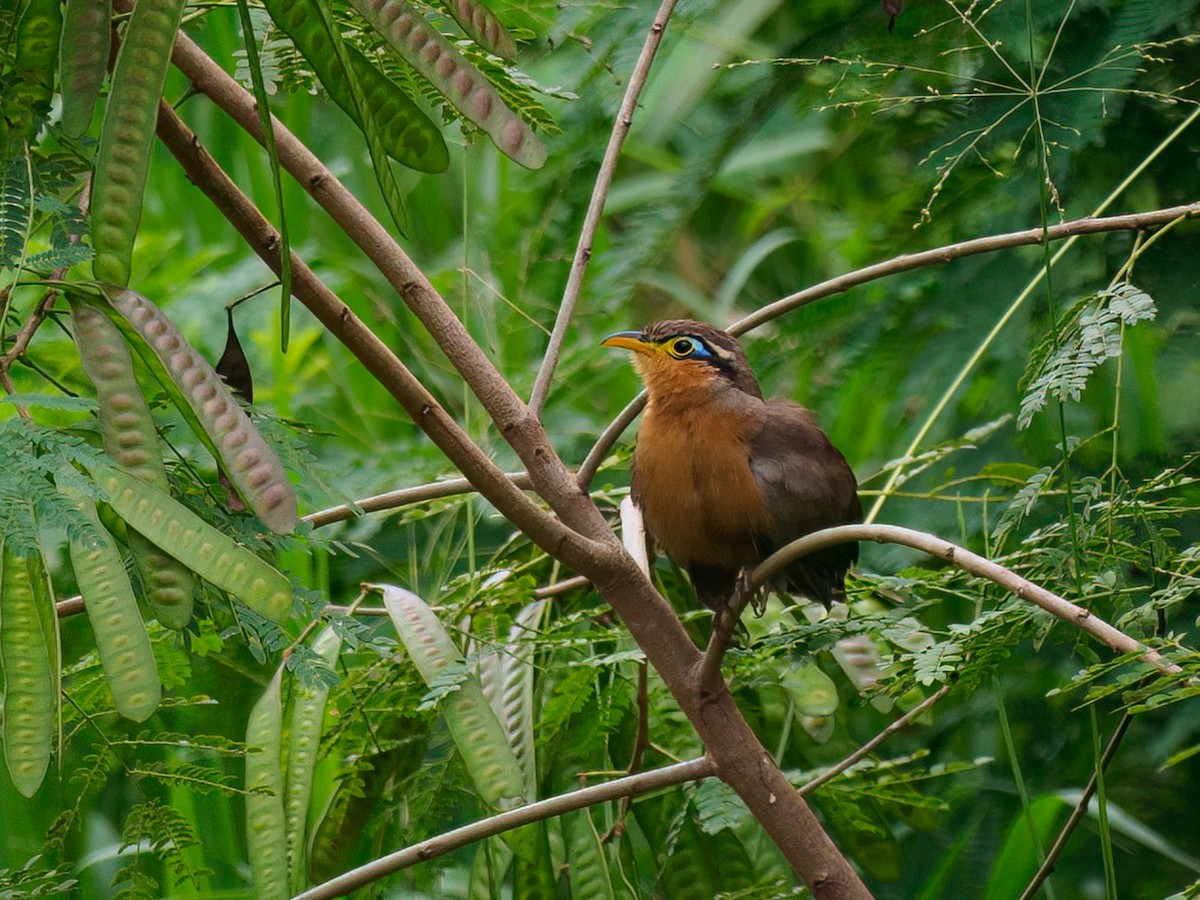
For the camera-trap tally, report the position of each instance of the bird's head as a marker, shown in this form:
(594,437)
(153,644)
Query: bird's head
(680,355)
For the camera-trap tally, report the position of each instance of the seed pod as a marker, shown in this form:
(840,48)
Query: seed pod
(458,81)
(308,715)
(30,684)
(483,27)
(407,134)
(207,552)
(130,439)
(472,723)
(251,465)
(120,633)
(31,84)
(130,116)
(264,806)
(83,60)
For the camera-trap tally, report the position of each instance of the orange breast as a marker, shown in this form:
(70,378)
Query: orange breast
(694,484)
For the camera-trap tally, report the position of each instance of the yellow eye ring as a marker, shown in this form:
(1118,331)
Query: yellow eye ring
(681,347)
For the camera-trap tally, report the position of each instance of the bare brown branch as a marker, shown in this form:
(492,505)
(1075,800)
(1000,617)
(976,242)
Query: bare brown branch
(591,219)
(668,776)
(421,493)
(341,321)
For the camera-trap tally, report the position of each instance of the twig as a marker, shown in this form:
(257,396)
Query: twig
(668,776)
(903,722)
(909,261)
(421,493)
(31,325)
(561,587)
(72,606)
(607,439)
(591,219)
(341,321)
(894,266)
(1073,820)
(971,562)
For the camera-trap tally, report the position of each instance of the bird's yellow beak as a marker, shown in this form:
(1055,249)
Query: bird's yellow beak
(629,340)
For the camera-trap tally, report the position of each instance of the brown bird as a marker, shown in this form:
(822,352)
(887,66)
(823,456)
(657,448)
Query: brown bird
(723,477)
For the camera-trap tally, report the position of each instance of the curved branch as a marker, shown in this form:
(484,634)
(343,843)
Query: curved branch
(668,776)
(591,219)
(1052,603)
(951,252)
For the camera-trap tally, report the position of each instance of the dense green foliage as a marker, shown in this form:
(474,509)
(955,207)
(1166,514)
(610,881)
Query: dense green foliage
(1039,407)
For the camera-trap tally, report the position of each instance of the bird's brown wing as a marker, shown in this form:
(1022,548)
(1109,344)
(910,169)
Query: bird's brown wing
(807,485)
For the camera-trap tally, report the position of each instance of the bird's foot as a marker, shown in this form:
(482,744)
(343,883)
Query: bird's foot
(745,594)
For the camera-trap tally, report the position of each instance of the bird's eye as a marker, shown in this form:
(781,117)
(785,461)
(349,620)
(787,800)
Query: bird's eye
(682,347)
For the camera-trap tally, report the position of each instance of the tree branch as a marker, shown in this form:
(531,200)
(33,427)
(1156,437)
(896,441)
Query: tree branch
(341,321)
(668,776)
(582,539)
(1077,814)
(909,261)
(516,423)
(591,219)
(421,493)
(971,562)
(869,747)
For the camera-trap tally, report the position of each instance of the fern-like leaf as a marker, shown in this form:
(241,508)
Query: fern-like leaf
(1090,336)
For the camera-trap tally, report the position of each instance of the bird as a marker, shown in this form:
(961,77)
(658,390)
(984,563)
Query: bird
(724,477)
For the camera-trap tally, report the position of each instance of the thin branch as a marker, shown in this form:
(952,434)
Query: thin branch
(869,747)
(30,326)
(421,493)
(72,606)
(1077,814)
(909,261)
(894,266)
(343,324)
(591,219)
(668,776)
(1052,603)
(607,440)
(561,587)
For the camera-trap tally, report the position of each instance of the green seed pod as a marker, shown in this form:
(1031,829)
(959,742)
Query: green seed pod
(308,714)
(207,552)
(407,134)
(83,60)
(130,117)
(27,96)
(458,81)
(121,638)
(251,465)
(473,726)
(266,843)
(30,683)
(130,439)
